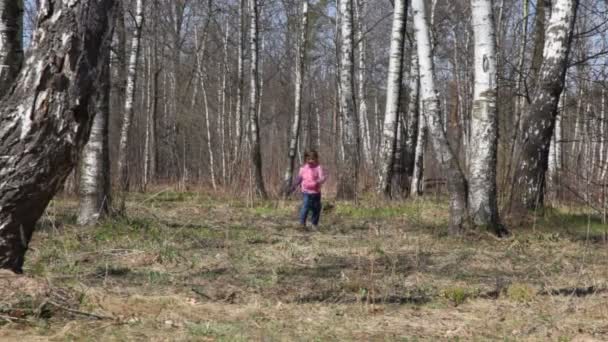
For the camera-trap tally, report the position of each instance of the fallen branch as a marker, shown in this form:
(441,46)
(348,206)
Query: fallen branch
(78,312)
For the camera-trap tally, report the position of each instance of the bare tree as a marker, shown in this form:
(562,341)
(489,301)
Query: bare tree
(256,154)
(300,74)
(431,110)
(483,205)
(349,160)
(238,124)
(360,9)
(48,111)
(129,107)
(393,95)
(95,177)
(539,120)
(11,45)
(412,124)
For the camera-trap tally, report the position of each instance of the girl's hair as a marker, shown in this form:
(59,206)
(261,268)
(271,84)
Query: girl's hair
(311,154)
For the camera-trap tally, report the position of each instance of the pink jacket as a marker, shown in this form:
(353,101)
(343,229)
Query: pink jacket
(312,177)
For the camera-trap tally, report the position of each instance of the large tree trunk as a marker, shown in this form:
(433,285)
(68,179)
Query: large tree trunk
(393,95)
(48,112)
(11,45)
(123,161)
(483,207)
(457,184)
(297,113)
(95,160)
(349,161)
(539,120)
(256,154)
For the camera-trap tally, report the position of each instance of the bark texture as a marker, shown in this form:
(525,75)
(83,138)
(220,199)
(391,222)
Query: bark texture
(297,113)
(457,185)
(45,120)
(360,7)
(393,95)
(256,154)
(539,120)
(95,160)
(483,207)
(349,160)
(11,45)
(123,166)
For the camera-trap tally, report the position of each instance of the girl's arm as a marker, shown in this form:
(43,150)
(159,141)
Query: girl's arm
(322,175)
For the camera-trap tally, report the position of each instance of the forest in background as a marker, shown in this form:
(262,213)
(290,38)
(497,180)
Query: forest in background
(174,128)
(187,131)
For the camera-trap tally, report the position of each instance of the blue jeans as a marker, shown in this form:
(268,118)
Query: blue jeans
(311,202)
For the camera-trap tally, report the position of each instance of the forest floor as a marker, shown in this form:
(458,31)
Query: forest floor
(186,267)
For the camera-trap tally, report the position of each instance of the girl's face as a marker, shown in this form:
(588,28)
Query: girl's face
(312,160)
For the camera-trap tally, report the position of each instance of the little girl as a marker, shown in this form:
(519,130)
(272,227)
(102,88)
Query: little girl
(311,177)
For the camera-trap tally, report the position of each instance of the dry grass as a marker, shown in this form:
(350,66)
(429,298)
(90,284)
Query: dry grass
(188,267)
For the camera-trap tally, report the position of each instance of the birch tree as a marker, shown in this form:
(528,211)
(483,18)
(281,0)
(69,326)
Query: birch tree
(238,123)
(412,129)
(483,205)
(362,68)
(256,154)
(48,112)
(123,167)
(431,110)
(349,160)
(393,95)
(94,192)
(539,120)
(297,113)
(11,45)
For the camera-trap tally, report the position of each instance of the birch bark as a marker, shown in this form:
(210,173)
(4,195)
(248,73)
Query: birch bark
(238,118)
(362,68)
(539,120)
(95,160)
(483,207)
(123,167)
(432,113)
(48,111)
(393,95)
(297,113)
(256,155)
(11,45)
(349,161)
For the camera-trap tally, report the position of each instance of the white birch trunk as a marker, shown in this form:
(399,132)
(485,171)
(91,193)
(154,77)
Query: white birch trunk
(123,169)
(483,207)
(238,117)
(393,92)
(256,155)
(297,113)
(148,108)
(603,125)
(362,46)
(94,199)
(432,113)
(349,163)
(539,120)
(555,151)
(11,45)
(200,52)
(418,171)
(225,114)
(413,120)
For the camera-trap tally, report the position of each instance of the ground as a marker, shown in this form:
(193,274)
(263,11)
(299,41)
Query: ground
(194,267)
